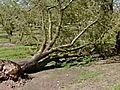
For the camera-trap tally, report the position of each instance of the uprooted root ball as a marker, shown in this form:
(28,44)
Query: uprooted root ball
(10,70)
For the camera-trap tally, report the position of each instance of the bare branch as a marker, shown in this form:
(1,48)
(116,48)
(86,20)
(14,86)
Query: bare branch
(50,26)
(65,56)
(57,58)
(79,35)
(57,28)
(106,29)
(63,8)
(72,49)
(45,32)
(79,47)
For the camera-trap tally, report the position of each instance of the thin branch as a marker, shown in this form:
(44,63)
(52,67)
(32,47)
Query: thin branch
(50,26)
(103,34)
(62,8)
(48,8)
(57,28)
(79,47)
(72,49)
(45,34)
(79,35)
(57,58)
(65,7)
(34,6)
(2,20)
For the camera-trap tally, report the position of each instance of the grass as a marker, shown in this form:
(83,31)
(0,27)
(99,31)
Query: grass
(13,53)
(86,74)
(2,40)
(116,87)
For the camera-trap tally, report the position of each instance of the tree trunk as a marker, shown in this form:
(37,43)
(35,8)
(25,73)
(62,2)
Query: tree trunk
(33,66)
(117,46)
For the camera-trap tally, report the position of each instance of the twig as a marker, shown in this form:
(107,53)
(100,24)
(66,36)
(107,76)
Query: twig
(78,36)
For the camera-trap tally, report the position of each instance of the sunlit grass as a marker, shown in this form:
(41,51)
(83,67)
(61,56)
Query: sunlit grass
(86,75)
(116,87)
(2,40)
(13,53)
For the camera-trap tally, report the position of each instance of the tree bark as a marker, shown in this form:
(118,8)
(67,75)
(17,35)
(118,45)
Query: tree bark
(117,46)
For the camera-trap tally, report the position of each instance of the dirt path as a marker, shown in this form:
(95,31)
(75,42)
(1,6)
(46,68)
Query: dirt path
(94,77)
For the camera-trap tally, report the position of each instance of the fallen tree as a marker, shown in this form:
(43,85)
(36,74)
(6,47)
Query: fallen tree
(49,50)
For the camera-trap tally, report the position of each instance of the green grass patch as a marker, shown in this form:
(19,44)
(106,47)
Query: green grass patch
(12,53)
(86,75)
(116,87)
(3,40)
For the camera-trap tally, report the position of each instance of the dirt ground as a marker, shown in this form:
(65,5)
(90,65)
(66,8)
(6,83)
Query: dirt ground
(93,77)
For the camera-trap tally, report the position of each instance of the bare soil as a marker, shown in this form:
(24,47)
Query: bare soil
(75,78)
